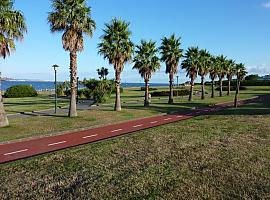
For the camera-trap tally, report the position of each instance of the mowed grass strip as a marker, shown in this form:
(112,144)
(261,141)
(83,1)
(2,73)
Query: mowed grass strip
(220,156)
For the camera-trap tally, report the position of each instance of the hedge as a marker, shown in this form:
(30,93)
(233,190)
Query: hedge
(167,93)
(150,89)
(233,88)
(18,91)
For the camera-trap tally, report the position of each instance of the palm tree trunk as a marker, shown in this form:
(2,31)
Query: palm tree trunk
(146,100)
(73,85)
(236,93)
(3,116)
(117,105)
(203,89)
(213,89)
(191,90)
(171,89)
(229,87)
(220,85)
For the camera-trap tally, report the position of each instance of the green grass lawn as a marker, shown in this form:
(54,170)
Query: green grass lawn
(47,125)
(28,104)
(220,156)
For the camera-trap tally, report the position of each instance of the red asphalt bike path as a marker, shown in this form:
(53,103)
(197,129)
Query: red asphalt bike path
(25,149)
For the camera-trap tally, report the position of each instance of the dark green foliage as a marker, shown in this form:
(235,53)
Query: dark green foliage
(166,93)
(233,88)
(121,90)
(18,91)
(252,77)
(103,91)
(150,89)
(250,83)
(100,91)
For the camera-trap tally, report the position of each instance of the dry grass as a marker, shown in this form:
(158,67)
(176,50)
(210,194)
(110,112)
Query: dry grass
(210,157)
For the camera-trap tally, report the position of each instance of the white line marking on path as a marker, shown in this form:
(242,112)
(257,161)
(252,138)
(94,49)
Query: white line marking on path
(179,116)
(138,126)
(167,119)
(53,144)
(154,122)
(14,152)
(89,136)
(117,130)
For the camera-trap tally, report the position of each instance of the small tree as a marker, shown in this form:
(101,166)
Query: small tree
(221,61)
(191,64)
(171,54)
(103,73)
(213,73)
(240,74)
(204,65)
(117,47)
(230,72)
(146,62)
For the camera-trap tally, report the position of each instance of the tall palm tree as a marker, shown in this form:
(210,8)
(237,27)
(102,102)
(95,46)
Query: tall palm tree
(191,65)
(230,72)
(146,62)
(12,28)
(241,72)
(116,46)
(203,68)
(213,74)
(72,17)
(221,61)
(171,54)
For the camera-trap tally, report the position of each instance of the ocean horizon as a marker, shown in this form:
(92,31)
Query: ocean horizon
(49,85)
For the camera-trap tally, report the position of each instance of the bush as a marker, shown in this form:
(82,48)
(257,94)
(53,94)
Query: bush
(167,93)
(150,89)
(103,91)
(18,91)
(249,83)
(233,88)
(114,91)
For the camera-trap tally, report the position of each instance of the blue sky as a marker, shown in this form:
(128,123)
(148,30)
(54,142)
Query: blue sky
(239,29)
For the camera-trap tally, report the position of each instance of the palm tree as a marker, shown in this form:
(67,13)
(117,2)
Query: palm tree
(203,68)
(171,54)
(72,17)
(12,28)
(230,72)
(240,73)
(213,73)
(117,47)
(146,62)
(103,73)
(221,61)
(191,65)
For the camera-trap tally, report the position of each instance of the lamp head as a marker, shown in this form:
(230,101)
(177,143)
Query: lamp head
(55,67)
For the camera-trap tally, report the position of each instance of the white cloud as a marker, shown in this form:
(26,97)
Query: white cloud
(266,5)
(260,69)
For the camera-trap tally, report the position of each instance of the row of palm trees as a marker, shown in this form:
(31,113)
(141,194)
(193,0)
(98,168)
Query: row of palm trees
(73,19)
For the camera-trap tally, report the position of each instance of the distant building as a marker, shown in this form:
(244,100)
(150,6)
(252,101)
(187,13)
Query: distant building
(266,77)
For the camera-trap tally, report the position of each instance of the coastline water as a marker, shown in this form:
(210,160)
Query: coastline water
(49,85)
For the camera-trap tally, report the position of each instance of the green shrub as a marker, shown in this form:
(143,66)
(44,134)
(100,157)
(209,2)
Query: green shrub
(249,83)
(18,91)
(150,89)
(114,91)
(233,88)
(167,93)
(103,91)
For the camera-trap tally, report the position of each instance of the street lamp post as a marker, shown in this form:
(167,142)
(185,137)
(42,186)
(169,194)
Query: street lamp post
(55,87)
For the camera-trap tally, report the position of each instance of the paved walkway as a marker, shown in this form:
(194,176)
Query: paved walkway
(19,150)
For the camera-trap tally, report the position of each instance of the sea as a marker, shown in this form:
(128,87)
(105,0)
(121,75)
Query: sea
(49,85)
